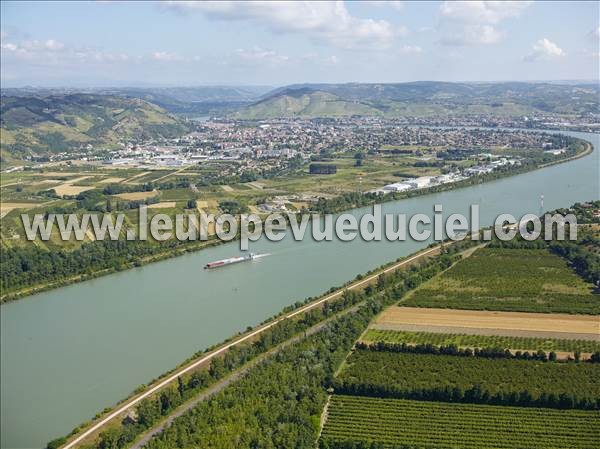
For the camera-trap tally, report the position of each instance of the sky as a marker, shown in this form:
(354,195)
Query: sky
(171,43)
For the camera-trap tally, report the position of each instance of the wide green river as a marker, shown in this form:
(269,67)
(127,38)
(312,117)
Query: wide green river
(68,353)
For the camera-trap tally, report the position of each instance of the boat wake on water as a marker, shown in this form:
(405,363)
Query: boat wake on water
(232,260)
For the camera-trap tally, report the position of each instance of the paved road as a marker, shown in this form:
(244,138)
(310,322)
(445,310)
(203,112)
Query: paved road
(135,400)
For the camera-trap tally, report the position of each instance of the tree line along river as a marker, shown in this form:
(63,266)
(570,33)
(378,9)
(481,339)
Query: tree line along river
(68,353)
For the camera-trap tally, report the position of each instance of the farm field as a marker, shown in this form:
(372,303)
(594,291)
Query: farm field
(509,280)
(132,196)
(68,189)
(395,422)
(5,208)
(402,318)
(163,205)
(481,341)
(513,299)
(497,380)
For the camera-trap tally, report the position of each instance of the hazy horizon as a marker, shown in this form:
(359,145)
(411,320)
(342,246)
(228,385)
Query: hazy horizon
(141,85)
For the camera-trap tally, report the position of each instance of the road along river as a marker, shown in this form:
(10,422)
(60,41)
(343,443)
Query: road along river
(68,353)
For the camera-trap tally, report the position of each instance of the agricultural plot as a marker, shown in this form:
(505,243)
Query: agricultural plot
(471,379)
(68,189)
(396,422)
(481,341)
(509,280)
(111,180)
(584,327)
(137,196)
(135,178)
(163,205)
(5,208)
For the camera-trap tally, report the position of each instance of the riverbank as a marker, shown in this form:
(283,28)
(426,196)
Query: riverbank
(188,248)
(102,421)
(193,246)
(98,340)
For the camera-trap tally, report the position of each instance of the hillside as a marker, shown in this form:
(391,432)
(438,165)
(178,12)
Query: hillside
(200,100)
(39,125)
(191,100)
(305,103)
(426,99)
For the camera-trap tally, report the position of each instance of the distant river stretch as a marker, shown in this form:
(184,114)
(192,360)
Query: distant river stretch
(68,353)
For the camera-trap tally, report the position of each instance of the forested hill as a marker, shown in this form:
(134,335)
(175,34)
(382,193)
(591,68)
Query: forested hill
(425,99)
(34,125)
(188,100)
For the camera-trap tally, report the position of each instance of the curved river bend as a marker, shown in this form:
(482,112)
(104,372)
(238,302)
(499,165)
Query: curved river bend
(68,353)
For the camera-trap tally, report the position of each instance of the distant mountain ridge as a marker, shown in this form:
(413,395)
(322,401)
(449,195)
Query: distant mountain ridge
(304,103)
(420,98)
(425,98)
(193,100)
(36,121)
(37,125)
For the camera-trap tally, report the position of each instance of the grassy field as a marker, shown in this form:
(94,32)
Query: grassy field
(481,341)
(416,424)
(31,190)
(399,374)
(509,280)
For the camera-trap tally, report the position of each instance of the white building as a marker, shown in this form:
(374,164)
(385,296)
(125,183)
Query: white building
(419,183)
(555,152)
(397,187)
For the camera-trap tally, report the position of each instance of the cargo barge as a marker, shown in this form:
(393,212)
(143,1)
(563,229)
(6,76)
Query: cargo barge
(232,260)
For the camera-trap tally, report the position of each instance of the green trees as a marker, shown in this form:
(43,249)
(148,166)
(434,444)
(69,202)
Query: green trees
(362,422)
(322,169)
(510,279)
(448,374)
(278,402)
(233,207)
(359,158)
(30,265)
(481,341)
(248,176)
(148,412)
(582,255)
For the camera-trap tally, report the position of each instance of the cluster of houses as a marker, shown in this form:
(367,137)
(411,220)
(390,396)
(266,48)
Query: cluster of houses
(176,156)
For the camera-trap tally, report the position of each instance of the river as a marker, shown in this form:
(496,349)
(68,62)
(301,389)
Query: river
(68,353)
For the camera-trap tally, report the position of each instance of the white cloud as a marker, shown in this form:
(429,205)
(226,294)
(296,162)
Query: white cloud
(397,5)
(328,22)
(31,48)
(473,35)
(317,59)
(407,49)
(53,51)
(10,47)
(475,22)
(595,33)
(53,45)
(257,54)
(478,12)
(90,55)
(544,49)
(164,56)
